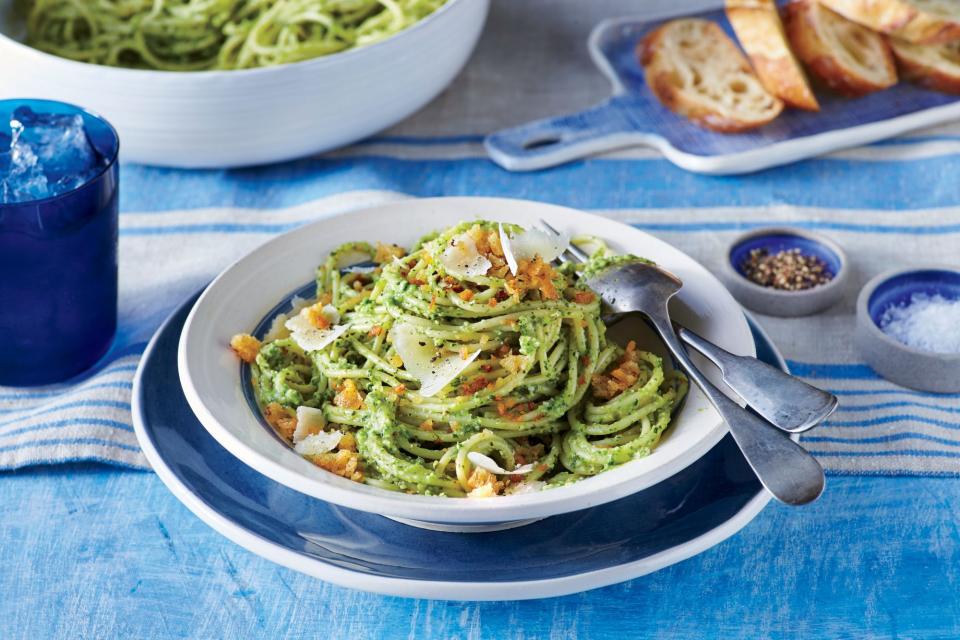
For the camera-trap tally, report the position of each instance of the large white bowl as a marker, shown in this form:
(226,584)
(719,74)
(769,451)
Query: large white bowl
(240,298)
(255,116)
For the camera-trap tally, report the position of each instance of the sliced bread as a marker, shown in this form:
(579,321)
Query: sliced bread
(919,21)
(935,66)
(696,70)
(844,55)
(761,34)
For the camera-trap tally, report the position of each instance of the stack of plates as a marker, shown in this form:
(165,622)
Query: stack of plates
(691,493)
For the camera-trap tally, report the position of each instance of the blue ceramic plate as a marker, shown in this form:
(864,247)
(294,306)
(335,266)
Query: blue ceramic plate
(689,512)
(634,116)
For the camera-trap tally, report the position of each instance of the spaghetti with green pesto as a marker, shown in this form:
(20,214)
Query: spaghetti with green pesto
(458,369)
(200,35)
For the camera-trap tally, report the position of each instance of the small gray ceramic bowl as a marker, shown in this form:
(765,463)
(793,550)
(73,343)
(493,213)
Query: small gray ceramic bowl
(776,302)
(895,361)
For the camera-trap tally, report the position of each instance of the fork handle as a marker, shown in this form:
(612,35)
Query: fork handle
(786,401)
(783,467)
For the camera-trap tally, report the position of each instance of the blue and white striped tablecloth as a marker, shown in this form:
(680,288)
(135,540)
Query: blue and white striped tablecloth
(891,204)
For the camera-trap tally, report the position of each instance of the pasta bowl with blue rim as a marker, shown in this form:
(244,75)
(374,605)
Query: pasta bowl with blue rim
(197,119)
(248,293)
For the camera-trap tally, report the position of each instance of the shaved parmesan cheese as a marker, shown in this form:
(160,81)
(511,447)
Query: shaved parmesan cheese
(277,330)
(298,304)
(462,259)
(489,464)
(425,361)
(308,337)
(532,243)
(528,487)
(352,259)
(309,422)
(317,443)
(508,251)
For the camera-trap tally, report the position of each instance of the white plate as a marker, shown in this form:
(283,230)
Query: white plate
(241,297)
(252,116)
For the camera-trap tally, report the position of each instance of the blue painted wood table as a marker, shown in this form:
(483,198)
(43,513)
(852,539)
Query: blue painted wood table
(95,553)
(103,550)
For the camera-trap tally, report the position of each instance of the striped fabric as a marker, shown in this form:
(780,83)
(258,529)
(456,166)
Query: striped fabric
(891,204)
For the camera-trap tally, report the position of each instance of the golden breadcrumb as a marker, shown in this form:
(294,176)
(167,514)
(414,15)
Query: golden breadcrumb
(473,386)
(348,442)
(488,245)
(583,297)
(513,363)
(316,316)
(348,397)
(623,375)
(533,275)
(387,252)
(483,484)
(281,419)
(245,346)
(514,410)
(526,452)
(344,463)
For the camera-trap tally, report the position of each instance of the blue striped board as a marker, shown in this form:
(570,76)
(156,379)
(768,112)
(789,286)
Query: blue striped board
(634,116)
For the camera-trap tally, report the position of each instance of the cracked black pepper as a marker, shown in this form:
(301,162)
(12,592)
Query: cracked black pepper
(787,270)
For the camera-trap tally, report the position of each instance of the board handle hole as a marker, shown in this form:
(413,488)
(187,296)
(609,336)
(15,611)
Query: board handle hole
(543,141)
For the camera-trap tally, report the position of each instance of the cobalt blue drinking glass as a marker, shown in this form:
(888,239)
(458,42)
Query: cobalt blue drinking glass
(58,253)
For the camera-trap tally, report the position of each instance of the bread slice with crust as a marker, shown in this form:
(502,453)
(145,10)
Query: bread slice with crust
(934,66)
(844,55)
(918,21)
(760,31)
(696,70)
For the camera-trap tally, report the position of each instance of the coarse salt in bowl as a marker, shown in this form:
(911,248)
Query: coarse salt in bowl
(257,116)
(907,327)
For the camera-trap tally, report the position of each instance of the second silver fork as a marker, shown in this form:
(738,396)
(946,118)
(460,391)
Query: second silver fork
(784,400)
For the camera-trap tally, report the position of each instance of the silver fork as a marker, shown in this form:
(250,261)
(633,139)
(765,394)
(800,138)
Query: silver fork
(787,402)
(783,467)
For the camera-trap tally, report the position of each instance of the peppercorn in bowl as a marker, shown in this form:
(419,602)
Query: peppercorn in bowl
(785,272)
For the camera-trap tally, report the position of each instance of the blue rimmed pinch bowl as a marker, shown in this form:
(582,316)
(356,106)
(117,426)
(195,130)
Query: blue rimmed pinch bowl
(895,361)
(776,302)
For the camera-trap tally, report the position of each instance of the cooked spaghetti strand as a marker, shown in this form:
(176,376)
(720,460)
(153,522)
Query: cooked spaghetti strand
(200,35)
(532,382)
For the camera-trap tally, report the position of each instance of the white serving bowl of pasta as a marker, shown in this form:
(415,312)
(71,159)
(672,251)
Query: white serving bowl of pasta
(244,295)
(198,119)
